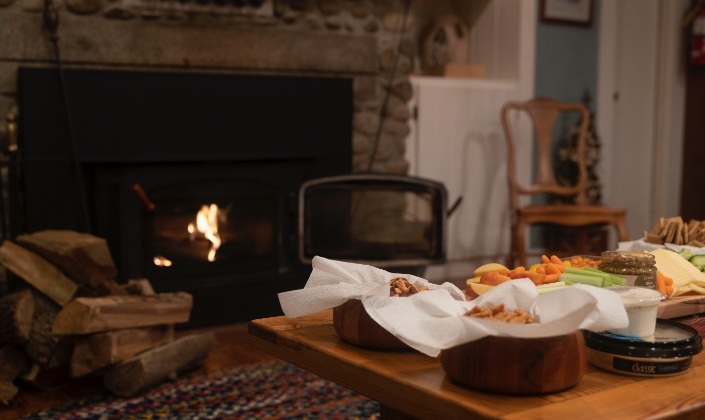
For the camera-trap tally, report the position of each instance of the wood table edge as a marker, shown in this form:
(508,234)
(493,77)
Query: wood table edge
(282,342)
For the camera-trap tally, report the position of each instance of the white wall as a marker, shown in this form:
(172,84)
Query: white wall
(457,137)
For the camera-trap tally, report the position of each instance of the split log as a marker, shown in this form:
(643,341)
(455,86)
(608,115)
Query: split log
(8,390)
(16,313)
(89,315)
(38,272)
(154,366)
(83,257)
(93,352)
(13,364)
(43,347)
(46,379)
(139,287)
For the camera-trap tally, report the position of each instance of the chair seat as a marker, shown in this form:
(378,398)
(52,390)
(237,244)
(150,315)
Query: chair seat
(568,215)
(571,214)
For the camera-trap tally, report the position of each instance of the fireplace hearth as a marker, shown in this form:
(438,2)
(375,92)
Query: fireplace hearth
(133,157)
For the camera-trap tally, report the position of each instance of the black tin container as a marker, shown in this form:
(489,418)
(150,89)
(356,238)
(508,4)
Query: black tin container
(668,352)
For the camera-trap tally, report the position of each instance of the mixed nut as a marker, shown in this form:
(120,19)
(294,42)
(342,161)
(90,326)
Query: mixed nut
(400,286)
(498,313)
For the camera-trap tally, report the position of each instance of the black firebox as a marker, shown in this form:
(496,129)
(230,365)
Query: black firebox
(192,178)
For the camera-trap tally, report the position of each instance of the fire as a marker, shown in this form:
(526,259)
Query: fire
(161,261)
(207,224)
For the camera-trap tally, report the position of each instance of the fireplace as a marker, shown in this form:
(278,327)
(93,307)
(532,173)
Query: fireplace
(192,178)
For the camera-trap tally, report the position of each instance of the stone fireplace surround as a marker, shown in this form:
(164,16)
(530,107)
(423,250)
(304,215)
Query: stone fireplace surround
(276,47)
(353,39)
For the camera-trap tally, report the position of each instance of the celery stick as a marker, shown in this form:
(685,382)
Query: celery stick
(607,278)
(545,288)
(618,281)
(610,279)
(587,272)
(582,278)
(595,270)
(549,285)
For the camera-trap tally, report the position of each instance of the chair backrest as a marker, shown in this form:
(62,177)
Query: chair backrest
(543,113)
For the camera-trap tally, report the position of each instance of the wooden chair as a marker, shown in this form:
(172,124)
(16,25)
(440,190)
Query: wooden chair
(543,113)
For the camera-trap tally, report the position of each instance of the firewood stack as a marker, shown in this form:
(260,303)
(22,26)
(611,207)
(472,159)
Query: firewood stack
(69,318)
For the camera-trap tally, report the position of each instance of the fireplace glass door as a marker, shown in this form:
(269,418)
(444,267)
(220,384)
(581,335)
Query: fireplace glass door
(182,226)
(382,220)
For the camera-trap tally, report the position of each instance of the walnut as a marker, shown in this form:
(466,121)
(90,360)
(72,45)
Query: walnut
(400,286)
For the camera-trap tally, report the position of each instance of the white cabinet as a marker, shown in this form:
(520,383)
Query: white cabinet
(457,137)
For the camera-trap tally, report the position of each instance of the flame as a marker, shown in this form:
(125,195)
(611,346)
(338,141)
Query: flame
(161,261)
(207,224)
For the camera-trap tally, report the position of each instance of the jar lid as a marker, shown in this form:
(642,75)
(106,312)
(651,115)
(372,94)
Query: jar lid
(637,295)
(628,256)
(671,339)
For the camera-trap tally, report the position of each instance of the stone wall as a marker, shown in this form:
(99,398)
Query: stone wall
(347,38)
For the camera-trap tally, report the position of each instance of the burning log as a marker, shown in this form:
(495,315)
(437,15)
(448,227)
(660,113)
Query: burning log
(90,315)
(95,351)
(38,272)
(151,367)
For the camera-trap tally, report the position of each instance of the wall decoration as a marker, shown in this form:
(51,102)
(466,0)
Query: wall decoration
(571,12)
(445,42)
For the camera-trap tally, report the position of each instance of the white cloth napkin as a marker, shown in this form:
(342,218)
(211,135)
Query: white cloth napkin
(332,283)
(434,320)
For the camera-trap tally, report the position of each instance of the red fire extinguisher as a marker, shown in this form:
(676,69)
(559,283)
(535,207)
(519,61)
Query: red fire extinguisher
(697,40)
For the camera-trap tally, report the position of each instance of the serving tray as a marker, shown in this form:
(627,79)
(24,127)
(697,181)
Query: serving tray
(684,305)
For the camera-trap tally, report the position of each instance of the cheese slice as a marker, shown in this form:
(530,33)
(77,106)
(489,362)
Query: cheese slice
(676,267)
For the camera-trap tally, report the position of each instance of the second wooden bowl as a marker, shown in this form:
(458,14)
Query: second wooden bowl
(518,366)
(355,326)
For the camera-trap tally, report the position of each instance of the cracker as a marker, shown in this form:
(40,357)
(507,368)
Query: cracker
(674,230)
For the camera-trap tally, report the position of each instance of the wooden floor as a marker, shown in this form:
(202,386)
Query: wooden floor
(232,349)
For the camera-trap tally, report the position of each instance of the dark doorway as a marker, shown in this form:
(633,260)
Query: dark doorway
(692,198)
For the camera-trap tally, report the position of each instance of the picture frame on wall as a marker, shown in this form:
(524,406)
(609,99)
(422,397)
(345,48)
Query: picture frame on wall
(568,12)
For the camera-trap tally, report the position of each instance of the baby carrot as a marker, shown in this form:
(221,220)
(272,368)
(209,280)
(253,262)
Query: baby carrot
(519,270)
(551,278)
(660,282)
(552,269)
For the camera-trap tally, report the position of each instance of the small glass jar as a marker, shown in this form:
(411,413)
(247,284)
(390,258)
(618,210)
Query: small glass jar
(637,268)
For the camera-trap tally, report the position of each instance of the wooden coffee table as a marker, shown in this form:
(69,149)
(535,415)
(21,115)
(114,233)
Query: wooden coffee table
(412,385)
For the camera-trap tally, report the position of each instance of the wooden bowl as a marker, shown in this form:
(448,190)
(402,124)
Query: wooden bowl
(511,365)
(355,326)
